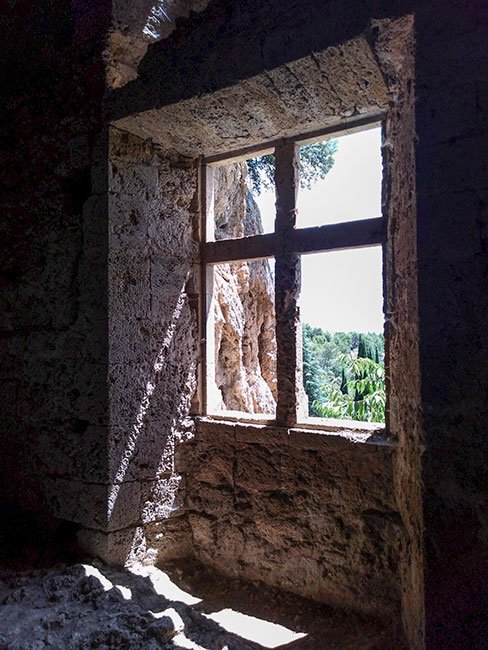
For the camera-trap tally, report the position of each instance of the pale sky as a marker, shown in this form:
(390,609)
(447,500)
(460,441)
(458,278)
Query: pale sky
(341,290)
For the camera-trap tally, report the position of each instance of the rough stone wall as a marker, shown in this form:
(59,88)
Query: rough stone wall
(394,47)
(55,328)
(152,353)
(309,512)
(135,24)
(57,407)
(450,181)
(53,322)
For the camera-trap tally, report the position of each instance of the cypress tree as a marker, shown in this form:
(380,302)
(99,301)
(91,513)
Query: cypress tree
(362,347)
(312,375)
(368,348)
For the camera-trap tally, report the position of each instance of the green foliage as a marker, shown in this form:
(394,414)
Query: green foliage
(368,347)
(313,377)
(363,348)
(316,160)
(344,382)
(261,172)
(365,397)
(339,381)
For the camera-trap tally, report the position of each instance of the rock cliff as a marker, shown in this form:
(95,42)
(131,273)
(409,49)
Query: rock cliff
(244,316)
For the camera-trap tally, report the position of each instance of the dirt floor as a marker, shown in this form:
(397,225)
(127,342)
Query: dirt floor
(182,606)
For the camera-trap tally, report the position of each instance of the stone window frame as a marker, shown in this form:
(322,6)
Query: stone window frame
(286,244)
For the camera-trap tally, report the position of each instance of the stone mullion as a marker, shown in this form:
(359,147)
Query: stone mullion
(287,284)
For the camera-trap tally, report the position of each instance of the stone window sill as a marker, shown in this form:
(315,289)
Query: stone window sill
(313,433)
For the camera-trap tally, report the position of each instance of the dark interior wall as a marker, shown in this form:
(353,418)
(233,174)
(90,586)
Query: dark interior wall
(452,181)
(53,299)
(396,40)
(66,303)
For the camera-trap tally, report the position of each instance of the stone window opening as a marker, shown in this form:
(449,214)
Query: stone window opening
(362,498)
(242,252)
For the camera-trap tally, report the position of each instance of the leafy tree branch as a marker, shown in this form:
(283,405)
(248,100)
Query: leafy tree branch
(316,160)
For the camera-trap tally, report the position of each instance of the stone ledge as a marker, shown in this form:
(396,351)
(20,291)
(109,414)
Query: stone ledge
(313,435)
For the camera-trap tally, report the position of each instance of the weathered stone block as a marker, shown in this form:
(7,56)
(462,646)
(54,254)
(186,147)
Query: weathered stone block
(170,228)
(213,501)
(162,499)
(258,468)
(130,391)
(129,218)
(95,458)
(294,515)
(261,435)
(73,500)
(134,179)
(113,548)
(141,452)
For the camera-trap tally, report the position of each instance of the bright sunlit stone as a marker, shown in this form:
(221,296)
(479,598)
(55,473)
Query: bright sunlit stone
(269,635)
(163,585)
(91,571)
(105,582)
(181,641)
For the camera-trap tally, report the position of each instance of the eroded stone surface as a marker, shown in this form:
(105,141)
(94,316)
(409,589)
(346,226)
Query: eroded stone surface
(54,173)
(152,352)
(244,313)
(321,522)
(94,605)
(134,26)
(277,103)
(393,44)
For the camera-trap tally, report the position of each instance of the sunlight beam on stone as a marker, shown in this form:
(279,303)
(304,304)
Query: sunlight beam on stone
(143,407)
(158,16)
(105,582)
(163,585)
(182,641)
(269,635)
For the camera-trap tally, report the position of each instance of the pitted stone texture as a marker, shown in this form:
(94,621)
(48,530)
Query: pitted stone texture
(151,375)
(393,44)
(134,26)
(159,541)
(244,313)
(310,93)
(51,122)
(319,520)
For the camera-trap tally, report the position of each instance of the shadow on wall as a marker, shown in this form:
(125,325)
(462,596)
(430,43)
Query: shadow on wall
(146,493)
(152,339)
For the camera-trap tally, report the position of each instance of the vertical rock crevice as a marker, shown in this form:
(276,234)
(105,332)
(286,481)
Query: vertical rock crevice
(244,314)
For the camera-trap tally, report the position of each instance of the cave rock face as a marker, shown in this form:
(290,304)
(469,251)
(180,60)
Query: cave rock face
(136,24)
(244,315)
